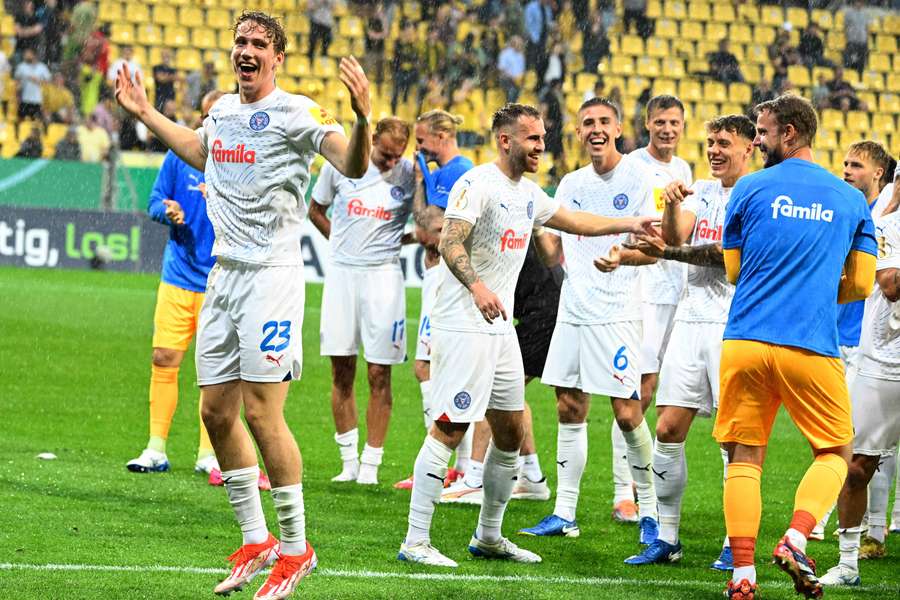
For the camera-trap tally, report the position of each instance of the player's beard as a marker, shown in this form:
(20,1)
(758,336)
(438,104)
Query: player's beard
(773,156)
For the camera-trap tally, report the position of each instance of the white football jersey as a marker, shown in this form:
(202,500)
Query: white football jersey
(257,172)
(707,294)
(368,215)
(884,198)
(663,282)
(503,213)
(879,346)
(589,296)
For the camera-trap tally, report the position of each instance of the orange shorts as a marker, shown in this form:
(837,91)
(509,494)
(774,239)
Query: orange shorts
(756,377)
(176,317)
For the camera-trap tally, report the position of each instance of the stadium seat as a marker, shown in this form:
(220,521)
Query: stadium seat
(880,62)
(828,72)
(690,151)
(835,40)
(658,47)
(673,67)
(695,129)
(832,119)
(891,24)
(149,35)
(889,103)
(699,10)
(164,14)
(772,15)
(715,91)
(191,16)
(757,54)
(137,12)
(740,93)
(176,36)
(188,59)
(698,66)
(682,48)
(893,82)
(667,29)
(723,12)
(883,123)
(353,27)
(691,30)
(25,128)
(204,38)
(647,66)
(654,9)
(665,86)
(675,9)
(106,11)
(689,90)
(823,19)
(121,33)
(704,111)
(218,18)
(797,17)
(719,31)
(763,34)
(748,13)
(631,45)
(739,33)
(636,85)
(799,75)
(869,98)
(873,81)
(826,138)
(858,121)
(226,39)
(886,43)
(732,108)
(622,65)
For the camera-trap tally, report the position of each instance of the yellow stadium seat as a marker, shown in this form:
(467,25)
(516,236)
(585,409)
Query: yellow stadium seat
(176,36)
(719,31)
(705,111)
(799,75)
(647,66)
(632,45)
(682,48)
(874,81)
(183,2)
(25,128)
(675,9)
(666,28)
(164,14)
(694,129)
(665,86)
(757,54)
(635,86)
(835,40)
(218,18)
(883,123)
(891,24)
(691,30)
(106,11)
(622,65)
(797,17)
(826,139)
(698,66)
(772,15)
(297,23)
(826,71)
(763,34)
(690,151)
(351,27)
(297,66)
(723,12)
(880,62)
(658,47)
(886,43)
(823,19)
(204,38)
(673,67)
(715,91)
(188,59)
(858,120)
(137,12)
(740,93)
(870,99)
(893,82)
(226,39)
(339,48)
(149,35)
(286,6)
(889,103)
(706,46)
(832,119)
(739,33)
(121,33)
(689,90)
(325,67)
(699,10)
(191,16)
(748,12)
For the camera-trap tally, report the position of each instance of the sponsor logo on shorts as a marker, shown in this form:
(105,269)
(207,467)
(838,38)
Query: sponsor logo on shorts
(356,208)
(530,209)
(510,241)
(705,232)
(238,154)
(275,360)
(784,206)
(259,121)
(620,201)
(462,400)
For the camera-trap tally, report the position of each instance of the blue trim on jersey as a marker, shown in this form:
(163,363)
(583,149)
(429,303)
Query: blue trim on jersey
(850,315)
(188,256)
(439,182)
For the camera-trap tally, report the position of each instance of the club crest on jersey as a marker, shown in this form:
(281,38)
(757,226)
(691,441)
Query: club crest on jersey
(238,154)
(259,121)
(462,400)
(397,192)
(530,209)
(784,206)
(356,208)
(705,232)
(510,241)
(620,201)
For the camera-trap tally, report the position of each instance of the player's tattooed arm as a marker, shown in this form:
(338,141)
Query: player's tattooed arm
(707,255)
(453,249)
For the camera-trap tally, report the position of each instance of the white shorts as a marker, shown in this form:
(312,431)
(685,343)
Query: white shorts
(474,372)
(364,305)
(429,294)
(596,359)
(850,358)
(690,374)
(251,324)
(658,322)
(876,415)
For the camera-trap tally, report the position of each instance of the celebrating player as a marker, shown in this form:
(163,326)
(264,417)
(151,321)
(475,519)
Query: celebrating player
(364,299)
(689,381)
(476,362)
(596,343)
(256,147)
(795,238)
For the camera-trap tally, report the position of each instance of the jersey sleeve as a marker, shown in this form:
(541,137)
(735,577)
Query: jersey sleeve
(443,182)
(465,202)
(308,125)
(864,237)
(888,234)
(732,234)
(544,206)
(325,189)
(203,134)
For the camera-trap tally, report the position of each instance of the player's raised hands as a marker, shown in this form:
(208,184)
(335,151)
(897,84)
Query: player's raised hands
(676,191)
(174,212)
(354,78)
(131,95)
(610,262)
(487,302)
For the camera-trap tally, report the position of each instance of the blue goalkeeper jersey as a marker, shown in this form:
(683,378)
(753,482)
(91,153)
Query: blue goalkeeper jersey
(188,256)
(795,223)
(439,182)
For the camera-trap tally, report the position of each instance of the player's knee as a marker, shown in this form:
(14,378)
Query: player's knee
(422,369)
(215,420)
(379,377)
(571,409)
(343,373)
(670,431)
(166,357)
(860,471)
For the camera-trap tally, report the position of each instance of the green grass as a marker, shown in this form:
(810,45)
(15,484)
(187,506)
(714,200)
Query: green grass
(75,350)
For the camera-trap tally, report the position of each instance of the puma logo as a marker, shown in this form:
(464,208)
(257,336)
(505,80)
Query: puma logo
(275,360)
(619,378)
(660,474)
(562,463)
(433,476)
(577,203)
(647,468)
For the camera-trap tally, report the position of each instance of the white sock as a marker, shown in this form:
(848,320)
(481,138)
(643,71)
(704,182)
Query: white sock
(464,450)
(531,468)
(428,481)
(499,479)
(622,480)
(427,407)
(895,514)
(288,502)
(571,456)
(741,573)
(243,493)
(475,474)
(848,541)
(797,539)
(724,453)
(879,491)
(824,521)
(640,459)
(369,463)
(670,469)
(348,446)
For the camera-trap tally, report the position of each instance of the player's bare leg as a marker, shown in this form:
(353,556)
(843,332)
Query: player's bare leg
(378,416)
(649,383)
(343,408)
(629,416)
(469,489)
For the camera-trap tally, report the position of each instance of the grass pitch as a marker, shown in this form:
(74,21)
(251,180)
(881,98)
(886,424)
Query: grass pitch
(74,369)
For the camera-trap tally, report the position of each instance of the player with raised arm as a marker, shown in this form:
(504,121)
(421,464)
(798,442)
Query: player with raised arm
(596,343)
(476,364)
(689,380)
(256,147)
(795,239)
(364,300)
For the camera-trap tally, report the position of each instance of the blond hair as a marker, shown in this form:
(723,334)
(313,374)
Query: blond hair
(439,120)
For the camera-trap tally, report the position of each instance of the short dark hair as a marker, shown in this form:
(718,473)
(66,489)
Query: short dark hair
(664,102)
(510,112)
(794,110)
(737,124)
(601,101)
(273,27)
(889,173)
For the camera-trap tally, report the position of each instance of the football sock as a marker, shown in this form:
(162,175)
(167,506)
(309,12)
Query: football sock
(428,481)
(670,470)
(348,446)
(876,532)
(742,501)
(369,463)
(531,468)
(288,502)
(163,400)
(571,456)
(848,541)
(823,522)
(464,450)
(640,459)
(818,491)
(427,408)
(204,449)
(499,479)
(895,514)
(726,543)
(622,482)
(475,474)
(157,443)
(244,497)
(879,491)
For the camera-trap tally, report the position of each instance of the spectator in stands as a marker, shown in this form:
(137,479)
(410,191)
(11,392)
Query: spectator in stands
(445,24)
(164,78)
(636,12)
(556,61)
(595,44)
(762,92)
(28,30)
(54,25)
(856,31)
(566,25)
(126,56)
(321,22)
(32,146)
(58,102)
(170,111)
(812,48)
(820,94)
(31,76)
(513,19)
(723,65)
(607,10)
(199,83)
(553,102)
(68,148)
(105,113)
(405,64)
(842,95)
(639,119)
(490,46)
(538,23)
(376,32)
(94,65)
(94,141)
(511,68)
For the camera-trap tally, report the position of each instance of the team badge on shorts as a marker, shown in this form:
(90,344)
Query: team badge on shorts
(259,121)
(462,400)
(620,201)
(530,209)
(397,192)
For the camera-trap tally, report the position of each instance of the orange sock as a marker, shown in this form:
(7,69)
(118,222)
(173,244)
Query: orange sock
(163,399)
(743,506)
(818,490)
